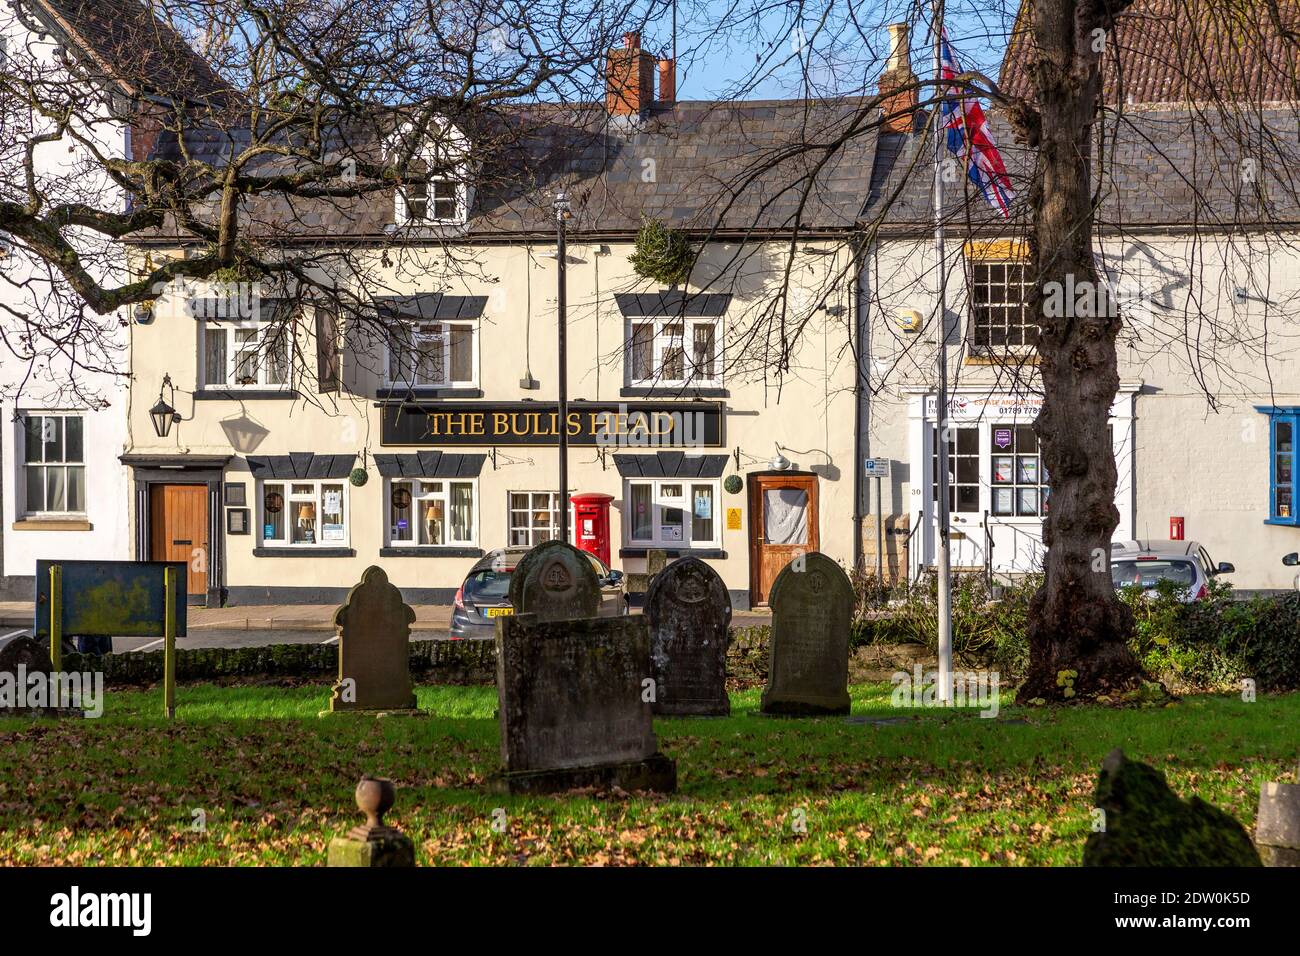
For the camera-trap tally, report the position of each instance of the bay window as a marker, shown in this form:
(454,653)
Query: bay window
(431,354)
(673,351)
(54,463)
(1018,478)
(304,514)
(430,513)
(672,513)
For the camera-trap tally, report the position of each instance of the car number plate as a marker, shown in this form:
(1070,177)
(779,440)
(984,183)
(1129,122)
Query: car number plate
(500,611)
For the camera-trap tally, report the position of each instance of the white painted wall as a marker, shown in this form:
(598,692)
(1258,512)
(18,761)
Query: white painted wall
(27,386)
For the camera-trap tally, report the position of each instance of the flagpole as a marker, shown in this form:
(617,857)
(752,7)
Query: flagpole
(944,689)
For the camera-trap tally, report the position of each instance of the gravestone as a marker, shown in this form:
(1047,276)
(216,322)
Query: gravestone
(1144,823)
(808,670)
(374,629)
(1277,824)
(689,611)
(25,661)
(556,582)
(373,843)
(572,706)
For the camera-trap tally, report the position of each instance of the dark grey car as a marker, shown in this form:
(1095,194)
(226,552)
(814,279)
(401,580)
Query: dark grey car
(485,594)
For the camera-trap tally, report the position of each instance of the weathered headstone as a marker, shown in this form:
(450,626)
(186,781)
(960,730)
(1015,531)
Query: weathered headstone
(656,559)
(374,629)
(556,582)
(373,843)
(812,607)
(573,709)
(1277,825)
(689,611)
(1144,823)
(25,663)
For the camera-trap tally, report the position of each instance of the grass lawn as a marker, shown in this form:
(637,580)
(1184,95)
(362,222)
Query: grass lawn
(274,782)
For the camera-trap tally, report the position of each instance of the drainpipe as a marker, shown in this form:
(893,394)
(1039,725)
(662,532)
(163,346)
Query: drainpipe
(859,403)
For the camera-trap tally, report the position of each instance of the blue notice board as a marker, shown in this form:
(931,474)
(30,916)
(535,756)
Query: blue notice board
(110,598)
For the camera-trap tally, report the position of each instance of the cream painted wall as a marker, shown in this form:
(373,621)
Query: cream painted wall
(810,412)
(1195,356)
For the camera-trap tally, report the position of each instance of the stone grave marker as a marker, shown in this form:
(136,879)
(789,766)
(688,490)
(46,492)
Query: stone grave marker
(1277,824)
(556,582)
(374,629)
(572,706)
(808,670)
(373,843)
(689,611)
(1144,823)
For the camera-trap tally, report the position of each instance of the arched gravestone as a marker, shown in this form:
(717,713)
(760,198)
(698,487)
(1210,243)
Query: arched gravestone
(374,628)
(808,670)
(556,582)
(690,613)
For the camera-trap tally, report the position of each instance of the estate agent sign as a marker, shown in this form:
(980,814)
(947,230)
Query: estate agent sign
(610,424)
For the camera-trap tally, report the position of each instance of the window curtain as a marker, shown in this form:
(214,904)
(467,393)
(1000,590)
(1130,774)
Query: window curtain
(785,516)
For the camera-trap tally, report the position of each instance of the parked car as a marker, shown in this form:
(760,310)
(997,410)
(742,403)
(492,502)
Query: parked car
(485,594)
(1144,564)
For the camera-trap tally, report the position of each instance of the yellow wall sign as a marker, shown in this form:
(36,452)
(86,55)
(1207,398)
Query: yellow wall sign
(733,519)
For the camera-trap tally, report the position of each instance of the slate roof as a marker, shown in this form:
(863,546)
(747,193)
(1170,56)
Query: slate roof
(131,47)
(1173,166)
(732,167)
(1179,51)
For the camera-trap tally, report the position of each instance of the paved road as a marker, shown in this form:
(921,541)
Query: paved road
(258,626)
(229,638)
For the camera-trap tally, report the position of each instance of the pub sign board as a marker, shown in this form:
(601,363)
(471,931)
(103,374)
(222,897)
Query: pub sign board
(603,424)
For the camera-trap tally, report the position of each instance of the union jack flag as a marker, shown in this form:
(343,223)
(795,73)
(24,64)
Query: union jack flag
(971,140)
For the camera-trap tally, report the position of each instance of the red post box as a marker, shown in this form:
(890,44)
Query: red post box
(591,523)
(1175,528)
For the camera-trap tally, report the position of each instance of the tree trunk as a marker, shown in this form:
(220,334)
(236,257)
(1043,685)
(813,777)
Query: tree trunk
(1076,621)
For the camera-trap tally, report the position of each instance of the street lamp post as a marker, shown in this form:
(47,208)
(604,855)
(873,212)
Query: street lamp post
(562,214)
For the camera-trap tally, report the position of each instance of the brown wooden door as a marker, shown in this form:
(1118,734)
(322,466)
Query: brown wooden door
(782,525)
(178,529)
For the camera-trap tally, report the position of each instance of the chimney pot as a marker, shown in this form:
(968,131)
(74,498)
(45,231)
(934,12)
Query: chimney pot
(632,40)
(667,81)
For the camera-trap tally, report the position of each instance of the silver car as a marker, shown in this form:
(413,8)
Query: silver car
(1144,564)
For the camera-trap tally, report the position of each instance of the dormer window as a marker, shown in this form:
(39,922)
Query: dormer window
(436,191)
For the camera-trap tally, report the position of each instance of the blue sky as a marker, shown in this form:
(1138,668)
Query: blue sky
(842,53)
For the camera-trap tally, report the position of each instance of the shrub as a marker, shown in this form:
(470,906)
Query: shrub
(662,254)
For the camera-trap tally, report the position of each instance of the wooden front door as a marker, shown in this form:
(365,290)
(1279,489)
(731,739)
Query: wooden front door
(782,525)
(178,530)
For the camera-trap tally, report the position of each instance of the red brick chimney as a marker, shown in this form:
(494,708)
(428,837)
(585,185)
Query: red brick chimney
(629,78)
(667,81)
(899,102)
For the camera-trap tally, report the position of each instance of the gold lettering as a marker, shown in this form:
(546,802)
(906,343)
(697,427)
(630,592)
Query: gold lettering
(500,422)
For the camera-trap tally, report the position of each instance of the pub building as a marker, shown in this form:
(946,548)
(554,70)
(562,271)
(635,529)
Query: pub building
(281,466)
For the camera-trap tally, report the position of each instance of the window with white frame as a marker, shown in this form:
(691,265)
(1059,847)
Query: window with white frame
(245,354)
(431,354)
(673,350)
(305,514)
(436,191)
(672,513)
(54,463)
(1000,318)
(431,512)
(1018,478)
(533,517)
